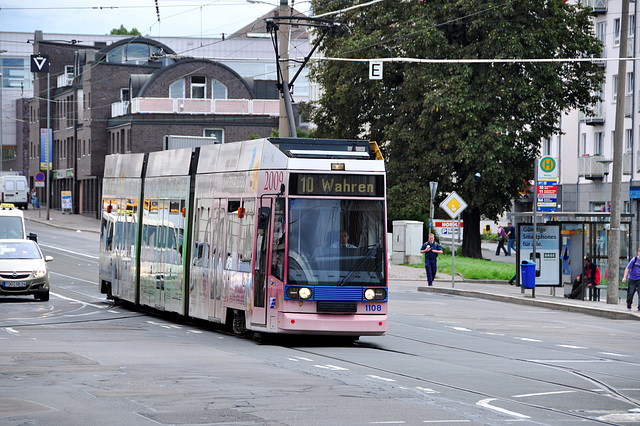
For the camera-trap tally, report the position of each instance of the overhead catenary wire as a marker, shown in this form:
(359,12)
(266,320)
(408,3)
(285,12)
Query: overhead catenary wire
(472,60)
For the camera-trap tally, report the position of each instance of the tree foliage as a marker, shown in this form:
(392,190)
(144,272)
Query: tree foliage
(446,122)
(123,31)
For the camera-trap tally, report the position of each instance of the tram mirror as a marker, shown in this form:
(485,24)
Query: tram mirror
(263,217)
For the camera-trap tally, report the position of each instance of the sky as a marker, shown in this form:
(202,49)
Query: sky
(178,18)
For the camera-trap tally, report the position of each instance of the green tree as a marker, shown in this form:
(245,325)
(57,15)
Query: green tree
(446,122)
(123,31)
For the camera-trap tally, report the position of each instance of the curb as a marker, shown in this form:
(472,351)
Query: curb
(529,301)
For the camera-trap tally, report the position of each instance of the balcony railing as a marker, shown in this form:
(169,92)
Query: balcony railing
(65,80)
(597,115)
(120,108)
(598,6)
(589,167)
(269,107)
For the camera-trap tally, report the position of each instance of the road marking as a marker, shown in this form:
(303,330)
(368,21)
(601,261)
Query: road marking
(70,251)
(446,421)
(332,367)
(526,395)
(301,358)
(426,390)
(78,301)
(11,330)
(526,339)
(485,404)
(460,329)
(571,347)
(74,278)
(613,354)
(381,378)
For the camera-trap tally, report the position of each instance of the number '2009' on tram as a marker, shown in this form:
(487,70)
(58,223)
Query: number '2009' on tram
(267,236)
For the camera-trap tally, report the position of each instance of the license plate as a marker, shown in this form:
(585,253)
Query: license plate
(14,284)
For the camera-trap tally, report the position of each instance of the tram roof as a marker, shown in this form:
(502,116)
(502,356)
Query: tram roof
(276,153)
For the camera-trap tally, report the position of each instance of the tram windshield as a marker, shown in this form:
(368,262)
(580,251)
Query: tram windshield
(336,242)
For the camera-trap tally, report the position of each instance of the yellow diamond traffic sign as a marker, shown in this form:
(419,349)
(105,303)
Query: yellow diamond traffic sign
(453,205)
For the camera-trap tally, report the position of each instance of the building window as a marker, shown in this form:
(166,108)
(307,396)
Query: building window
(176,89)
(614,87)
(628,140)
(15,72)
(598,145)
(630,83)
(616,32)
(601,32)
(198,87)
(219,90)
(214,133)
(583,147)
(125,94)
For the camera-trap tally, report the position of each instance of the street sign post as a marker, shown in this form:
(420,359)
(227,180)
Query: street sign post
(454,205)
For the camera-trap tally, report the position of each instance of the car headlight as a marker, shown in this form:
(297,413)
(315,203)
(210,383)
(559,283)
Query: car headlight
(299,293)
(41,272)
(375,294)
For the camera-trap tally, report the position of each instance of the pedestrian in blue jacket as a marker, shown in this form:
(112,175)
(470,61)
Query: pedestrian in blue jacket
(431,250)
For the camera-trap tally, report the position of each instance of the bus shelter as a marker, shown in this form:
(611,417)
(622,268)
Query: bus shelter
(564,240)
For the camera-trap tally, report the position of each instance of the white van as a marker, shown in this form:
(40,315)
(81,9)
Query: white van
(15,190)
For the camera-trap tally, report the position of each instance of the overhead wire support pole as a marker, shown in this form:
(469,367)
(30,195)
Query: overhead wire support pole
(287,128)
(613,249)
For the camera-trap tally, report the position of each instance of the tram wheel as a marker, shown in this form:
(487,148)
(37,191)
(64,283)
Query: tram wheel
(239,323)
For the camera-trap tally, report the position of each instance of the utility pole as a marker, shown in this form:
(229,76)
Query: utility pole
(283,36)
(613,251)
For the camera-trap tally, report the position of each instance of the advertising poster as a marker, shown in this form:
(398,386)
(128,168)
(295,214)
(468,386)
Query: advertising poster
(66,200)
(548,245)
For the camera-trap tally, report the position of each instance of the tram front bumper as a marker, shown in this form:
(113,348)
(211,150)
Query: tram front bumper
(332,324)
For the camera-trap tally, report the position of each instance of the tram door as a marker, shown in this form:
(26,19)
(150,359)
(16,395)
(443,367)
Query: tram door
(260,276)
(217,260)
(160,268)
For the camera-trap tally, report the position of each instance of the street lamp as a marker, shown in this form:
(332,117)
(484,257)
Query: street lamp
(605,162)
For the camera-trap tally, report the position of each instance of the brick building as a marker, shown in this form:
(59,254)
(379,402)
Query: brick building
(126,97)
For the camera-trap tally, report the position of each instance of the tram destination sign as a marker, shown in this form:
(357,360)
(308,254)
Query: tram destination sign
(339,185)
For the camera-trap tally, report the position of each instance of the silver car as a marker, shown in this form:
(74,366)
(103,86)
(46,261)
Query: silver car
(23,269)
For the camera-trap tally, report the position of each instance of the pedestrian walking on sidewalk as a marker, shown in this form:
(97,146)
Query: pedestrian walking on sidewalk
(511,236)
(632,271)
(431,250)
(502,237)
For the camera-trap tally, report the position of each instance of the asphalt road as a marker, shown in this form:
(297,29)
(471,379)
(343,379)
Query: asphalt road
(78,359)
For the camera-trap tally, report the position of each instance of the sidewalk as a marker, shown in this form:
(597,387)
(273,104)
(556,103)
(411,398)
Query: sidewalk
(74,222)
(501,291)
(415,278)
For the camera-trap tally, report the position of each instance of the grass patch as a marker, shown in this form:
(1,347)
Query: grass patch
(475,269)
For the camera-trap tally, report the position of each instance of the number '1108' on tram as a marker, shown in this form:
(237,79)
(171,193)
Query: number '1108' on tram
(265,236)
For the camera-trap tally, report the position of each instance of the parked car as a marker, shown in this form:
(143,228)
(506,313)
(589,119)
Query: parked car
(23,269)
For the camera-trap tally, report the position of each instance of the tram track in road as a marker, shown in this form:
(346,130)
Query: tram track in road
(395,376)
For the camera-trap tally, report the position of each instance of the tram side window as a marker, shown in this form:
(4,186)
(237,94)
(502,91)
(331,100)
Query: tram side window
(200,255)
(233,235)
(245,250)
(279,229)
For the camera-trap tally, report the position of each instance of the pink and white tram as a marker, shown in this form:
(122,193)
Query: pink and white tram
(268,236)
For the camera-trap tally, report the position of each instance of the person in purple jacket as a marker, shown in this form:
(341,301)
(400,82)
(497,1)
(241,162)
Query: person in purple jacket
(632,271)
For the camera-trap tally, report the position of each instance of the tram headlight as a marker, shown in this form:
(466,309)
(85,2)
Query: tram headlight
(295,293)
(375,294)
(305,293)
